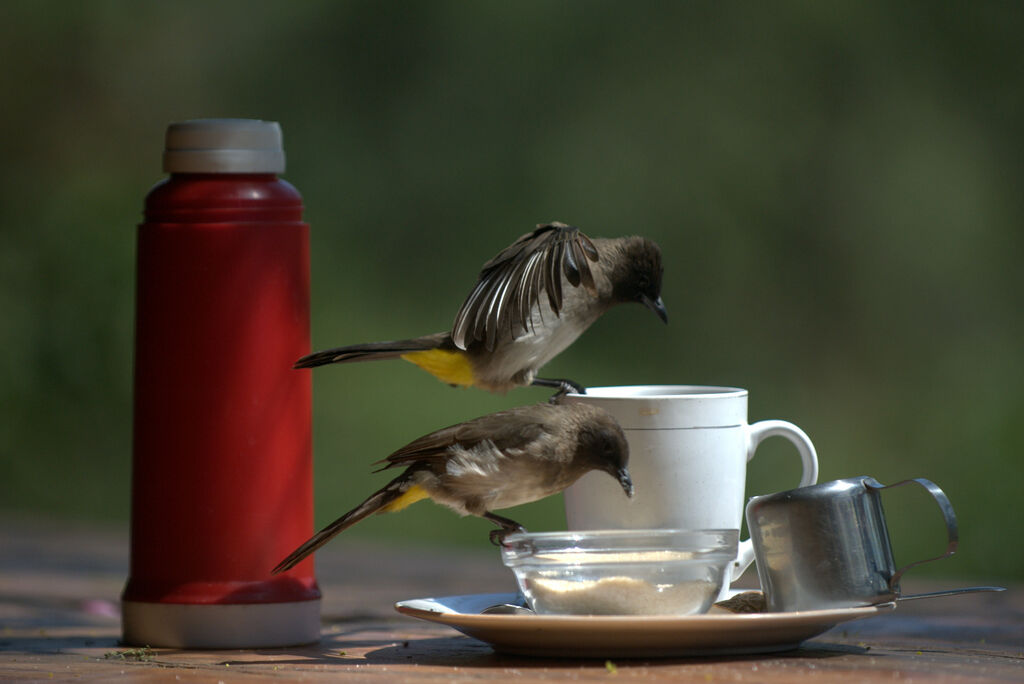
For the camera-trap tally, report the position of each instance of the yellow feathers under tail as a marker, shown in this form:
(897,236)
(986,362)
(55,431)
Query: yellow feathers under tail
(448,366)
(408,497)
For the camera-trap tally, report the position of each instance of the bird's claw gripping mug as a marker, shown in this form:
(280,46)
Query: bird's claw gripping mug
(689,447)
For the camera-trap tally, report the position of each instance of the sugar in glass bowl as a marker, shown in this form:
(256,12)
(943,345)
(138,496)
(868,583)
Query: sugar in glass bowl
(621,572)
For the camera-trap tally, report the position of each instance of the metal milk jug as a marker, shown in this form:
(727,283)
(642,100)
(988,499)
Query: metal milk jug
(827,545)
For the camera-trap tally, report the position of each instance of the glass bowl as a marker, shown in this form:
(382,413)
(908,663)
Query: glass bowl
(621,572)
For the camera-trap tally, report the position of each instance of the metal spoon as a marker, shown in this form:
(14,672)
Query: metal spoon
(517,608)
(949,592)
(522,609)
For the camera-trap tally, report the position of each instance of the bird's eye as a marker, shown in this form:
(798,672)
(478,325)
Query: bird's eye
(611,448)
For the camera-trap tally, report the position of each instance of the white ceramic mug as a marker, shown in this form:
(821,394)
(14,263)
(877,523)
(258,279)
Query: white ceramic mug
(688,451)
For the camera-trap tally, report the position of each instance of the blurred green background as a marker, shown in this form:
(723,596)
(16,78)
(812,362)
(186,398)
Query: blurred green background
(836,188)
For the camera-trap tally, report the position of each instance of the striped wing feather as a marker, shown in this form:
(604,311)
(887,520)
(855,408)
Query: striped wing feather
(510,285)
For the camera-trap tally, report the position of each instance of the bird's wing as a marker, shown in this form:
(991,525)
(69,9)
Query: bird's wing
(510,284)
(510,429)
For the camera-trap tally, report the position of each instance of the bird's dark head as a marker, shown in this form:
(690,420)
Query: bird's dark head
(602,446)
(636,274)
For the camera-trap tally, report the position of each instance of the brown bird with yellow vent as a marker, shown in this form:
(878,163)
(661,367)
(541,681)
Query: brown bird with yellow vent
(530,302)
(496,461)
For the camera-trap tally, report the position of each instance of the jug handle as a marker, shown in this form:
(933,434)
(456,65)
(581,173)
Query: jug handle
(951,527)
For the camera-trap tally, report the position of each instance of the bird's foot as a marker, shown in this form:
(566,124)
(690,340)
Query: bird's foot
(562,385)
(497,537)
(505,528)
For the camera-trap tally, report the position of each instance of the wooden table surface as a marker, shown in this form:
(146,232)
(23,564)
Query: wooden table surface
(59,586)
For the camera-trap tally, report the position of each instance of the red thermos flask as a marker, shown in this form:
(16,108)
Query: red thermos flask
(222,451)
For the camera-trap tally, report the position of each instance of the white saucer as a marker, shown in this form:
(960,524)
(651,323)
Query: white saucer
(628,636)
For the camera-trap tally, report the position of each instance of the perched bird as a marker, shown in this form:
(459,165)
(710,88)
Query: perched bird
(530,302)
(496,461)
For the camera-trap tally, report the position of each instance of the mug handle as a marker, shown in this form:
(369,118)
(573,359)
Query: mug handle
(757,433)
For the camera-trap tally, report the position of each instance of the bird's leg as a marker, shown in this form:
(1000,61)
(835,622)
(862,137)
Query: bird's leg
(507,526)
(561,384)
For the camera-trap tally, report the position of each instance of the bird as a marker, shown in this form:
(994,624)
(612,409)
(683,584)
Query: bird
(530,302)
(496,461)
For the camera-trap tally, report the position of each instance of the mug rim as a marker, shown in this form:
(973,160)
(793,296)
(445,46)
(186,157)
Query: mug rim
(661,392)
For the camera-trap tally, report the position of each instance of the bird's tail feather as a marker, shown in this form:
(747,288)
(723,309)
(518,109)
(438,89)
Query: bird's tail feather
(394,496)
(371,351)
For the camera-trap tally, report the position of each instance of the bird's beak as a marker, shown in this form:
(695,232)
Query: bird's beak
(626,481)
(655,305)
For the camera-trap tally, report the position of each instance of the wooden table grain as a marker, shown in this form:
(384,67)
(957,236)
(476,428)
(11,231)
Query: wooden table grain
(59,584)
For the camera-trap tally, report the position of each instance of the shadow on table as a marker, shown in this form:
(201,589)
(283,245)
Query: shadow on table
(464,651)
